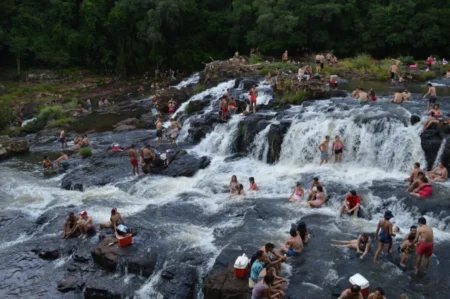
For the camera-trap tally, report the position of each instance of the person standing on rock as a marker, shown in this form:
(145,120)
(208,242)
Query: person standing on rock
(338,147)
(433,96)
(175,128)
(224,113)
(62,139)
(317,60)
(132,153)
(324,147)
(85,141)
(394,73)
(322,61)
(385,229)
(425,246)
(253,97)
(159,132)
(147,157)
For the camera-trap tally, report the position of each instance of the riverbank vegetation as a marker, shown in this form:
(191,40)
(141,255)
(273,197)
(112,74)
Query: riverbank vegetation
(128,36)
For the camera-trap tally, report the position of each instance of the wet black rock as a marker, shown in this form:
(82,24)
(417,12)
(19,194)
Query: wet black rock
(178,281)
(338,93)
(275,139)
(222,284)
(415,119)
(249,127)
(48,253)
(186,165)
(13,146)
(246,83)
(431,141)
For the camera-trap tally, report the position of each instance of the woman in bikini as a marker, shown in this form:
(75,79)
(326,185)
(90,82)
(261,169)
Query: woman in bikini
(338,146)
(298,194)
(439,174)
(319,199)
(303,232)
(234,183)
(436,116)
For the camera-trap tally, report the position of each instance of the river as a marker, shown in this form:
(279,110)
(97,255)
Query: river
(197,223)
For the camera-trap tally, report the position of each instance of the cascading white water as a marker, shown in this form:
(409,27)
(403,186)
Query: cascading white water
(381,142)
(260,147)
(191,80)
(440,153)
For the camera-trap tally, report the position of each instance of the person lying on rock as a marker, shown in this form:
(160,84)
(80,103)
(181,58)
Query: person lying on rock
(84,225)
(439,174)
(113,220)
(362,244)
(424,190)
(69,225)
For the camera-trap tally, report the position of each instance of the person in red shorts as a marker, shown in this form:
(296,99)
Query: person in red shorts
(425,246)
(253,96)
(132,153)
(351,204)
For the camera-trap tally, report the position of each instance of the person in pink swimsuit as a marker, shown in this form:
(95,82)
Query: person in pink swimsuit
(298,194)
(436,116)
(424,190)
(253,96)
(253,186)
(319,199)
(338,147)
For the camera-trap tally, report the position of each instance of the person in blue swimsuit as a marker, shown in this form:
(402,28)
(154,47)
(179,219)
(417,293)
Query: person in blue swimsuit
(385,235)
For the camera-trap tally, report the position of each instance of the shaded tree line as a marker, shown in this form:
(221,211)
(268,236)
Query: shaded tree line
(138,35)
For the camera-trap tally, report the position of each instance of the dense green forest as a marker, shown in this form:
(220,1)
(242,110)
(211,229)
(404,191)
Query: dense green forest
(131,36)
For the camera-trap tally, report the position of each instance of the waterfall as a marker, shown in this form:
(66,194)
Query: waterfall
(191,80)
(260,147)
(375,141)
(440,153)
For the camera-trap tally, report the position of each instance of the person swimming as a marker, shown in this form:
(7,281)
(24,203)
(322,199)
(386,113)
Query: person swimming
(253,186)
(234,184)
(298,194)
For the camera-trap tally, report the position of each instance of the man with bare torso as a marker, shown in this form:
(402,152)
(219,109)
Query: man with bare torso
(174,131)
(324,147)
(272,257)
(63,161)
(406,95)
(132,153)
(414,173)
(294,245)
(322,61)
(253,97)
(362,95)
(62,139)
(385,237)
(394,73)
(425,246)
(147,156)
(398,97)
(433,96)
(159,133)
(317,60)
(47,163)
(223,105)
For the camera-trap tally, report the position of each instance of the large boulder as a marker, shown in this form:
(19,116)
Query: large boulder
(186,165)
(222,284)
(178,281)
(12,146)
(249,127)
(130,124)
(431,141)
(219,71)
(275,139)
(163,96)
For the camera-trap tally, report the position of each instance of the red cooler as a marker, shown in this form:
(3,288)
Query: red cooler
(124,240)
(359,280)
(241,267)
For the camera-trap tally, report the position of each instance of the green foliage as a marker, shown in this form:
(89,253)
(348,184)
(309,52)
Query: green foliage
(45,116)
(60,123)
(426,76)
(199,88)
(362,61)
(295,98)
(188,109)
(406,60)
(85,152)
(255,58)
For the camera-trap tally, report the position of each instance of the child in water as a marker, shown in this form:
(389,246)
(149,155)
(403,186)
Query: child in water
(405,248)
(253,186)
(298,194)
(234,183)
(239,191)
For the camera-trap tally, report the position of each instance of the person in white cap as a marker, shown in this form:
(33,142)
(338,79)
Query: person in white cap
(84,225)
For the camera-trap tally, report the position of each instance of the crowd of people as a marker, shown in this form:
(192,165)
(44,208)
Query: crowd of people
(419,180)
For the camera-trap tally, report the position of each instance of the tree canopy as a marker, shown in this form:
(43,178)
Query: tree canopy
(137,35)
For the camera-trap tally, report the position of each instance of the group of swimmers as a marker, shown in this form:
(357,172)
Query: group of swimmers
(78,142)
(237,189)
(228,105)
(83,224)
(62,162)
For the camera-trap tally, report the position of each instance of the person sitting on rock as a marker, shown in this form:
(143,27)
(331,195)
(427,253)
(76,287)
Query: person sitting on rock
(439,174)
(414,173)
(278,283)
(351,204)
(416,182)
(85,141)
(256,268)
(271,257)
(398,97)
(298,194)
(313,188)
(239,191)
(234,183)
(47,163)
(378,294)
(63,161)
(362,244)
(318,199)
(268,79)
(113,220)
(76,143)
(436,116)
(352,293)
(69,225)
(294,245)
(406,95)
(262,289)
(232,106)
(84,225)
(372,95)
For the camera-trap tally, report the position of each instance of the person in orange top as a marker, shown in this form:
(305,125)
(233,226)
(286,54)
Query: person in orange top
(351,204)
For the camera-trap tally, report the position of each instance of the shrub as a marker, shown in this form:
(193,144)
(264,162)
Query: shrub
(406,60)
(62,122)
(85,152)
(264,71)
(45,116)
(295,98)
(362,61)
(200,88)
(254,59)
(426,76)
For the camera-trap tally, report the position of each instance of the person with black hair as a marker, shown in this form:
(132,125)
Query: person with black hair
(294,245)
(271,257)
(425,246)
(352,293)
(303,232)
(69,224)
(433,96)
(362,244)
(257,266)
(378,294)
(414,173)
(385,229)
(351,204)
(47,163)
(405,248)
(262,289)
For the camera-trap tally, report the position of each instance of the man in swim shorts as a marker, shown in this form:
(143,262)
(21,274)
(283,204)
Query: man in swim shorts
(385,237)
(62,139)
(414,173)
(426,244)
(433,96)
(132,153)
(351,204)
(394,73)
(159,132)
(63,161)
(324,147)
(147,156)
(294,245)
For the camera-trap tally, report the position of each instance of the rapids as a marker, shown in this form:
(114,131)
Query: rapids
(198,225)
